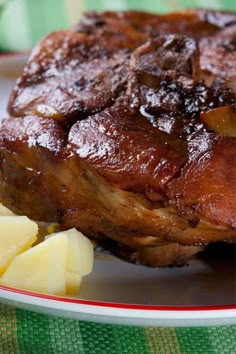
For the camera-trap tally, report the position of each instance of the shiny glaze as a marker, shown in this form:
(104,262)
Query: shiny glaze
(108,131)
(70,77)
(206,185)
(127,150)
(218,56)
(69,71)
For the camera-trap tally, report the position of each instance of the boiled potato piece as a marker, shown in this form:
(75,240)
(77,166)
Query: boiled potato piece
(41,268)
(80,253)
(4,211)
(73,283)
(17,234)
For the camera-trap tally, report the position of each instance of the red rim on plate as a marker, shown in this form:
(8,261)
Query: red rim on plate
(11,54)
(119,305)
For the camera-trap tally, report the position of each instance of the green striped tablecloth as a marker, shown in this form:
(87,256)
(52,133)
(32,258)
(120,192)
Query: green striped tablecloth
(26,332)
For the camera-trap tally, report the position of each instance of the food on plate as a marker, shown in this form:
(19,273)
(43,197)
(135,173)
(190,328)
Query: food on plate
(221,120)
(80,250)
(4,211)
(41,268)
(73,283)
(47,267)
(81,253)
(17,234)
(121,127)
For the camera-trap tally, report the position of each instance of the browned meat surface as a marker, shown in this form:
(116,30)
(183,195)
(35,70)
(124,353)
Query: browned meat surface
(194,22)
(75,73)
(111,132)
(218,57)
(68,77)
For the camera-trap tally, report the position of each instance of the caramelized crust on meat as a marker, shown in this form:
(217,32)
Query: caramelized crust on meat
(218,57)
(75,73)
(108,133)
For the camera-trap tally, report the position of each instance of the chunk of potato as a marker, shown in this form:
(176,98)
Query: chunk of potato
(4,211)
(73,283)
(17,234)
(80,252)
(41,268)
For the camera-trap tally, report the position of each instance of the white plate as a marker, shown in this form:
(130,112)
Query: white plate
(200,294)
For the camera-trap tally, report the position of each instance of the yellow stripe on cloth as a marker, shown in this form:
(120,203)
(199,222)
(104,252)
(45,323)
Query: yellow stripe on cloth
(8,331)
(162,340)
(74,10)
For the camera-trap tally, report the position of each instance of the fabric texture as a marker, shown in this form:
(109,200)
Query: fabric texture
(26,332)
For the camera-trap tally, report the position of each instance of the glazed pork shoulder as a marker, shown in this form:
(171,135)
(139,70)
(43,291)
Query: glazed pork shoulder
(111,132)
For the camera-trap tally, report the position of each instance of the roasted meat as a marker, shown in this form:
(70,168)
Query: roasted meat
(112,131)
